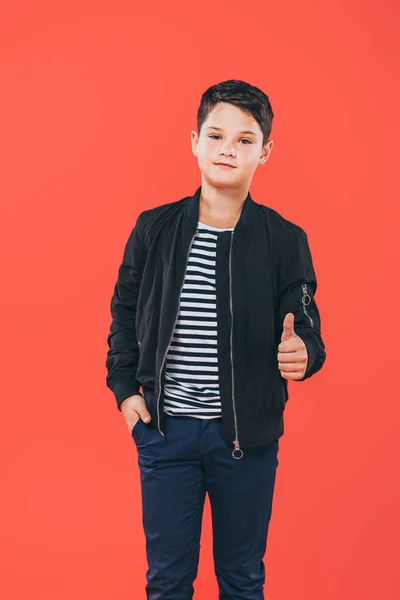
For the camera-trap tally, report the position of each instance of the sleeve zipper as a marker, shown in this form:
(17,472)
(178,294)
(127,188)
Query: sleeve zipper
(306,300)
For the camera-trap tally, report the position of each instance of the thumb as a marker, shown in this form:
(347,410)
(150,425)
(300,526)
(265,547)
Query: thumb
(288,327)
(143,412)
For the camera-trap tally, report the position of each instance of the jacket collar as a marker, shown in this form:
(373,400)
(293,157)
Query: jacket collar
(247,216)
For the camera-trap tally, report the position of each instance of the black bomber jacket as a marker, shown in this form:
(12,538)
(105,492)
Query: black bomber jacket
(264,270)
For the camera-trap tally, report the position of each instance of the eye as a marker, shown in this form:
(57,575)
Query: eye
(215,135)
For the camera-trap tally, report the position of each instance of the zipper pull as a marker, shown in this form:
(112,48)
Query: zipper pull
(237,449)
(306,299)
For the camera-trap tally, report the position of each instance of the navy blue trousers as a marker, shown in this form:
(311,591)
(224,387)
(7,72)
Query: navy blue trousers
(176,471)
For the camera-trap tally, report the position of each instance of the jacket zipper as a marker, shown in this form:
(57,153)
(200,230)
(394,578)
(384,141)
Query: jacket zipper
(162,365)
(236,440)
(306,300)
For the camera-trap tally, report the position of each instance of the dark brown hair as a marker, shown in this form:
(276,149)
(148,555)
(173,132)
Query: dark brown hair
(241,94)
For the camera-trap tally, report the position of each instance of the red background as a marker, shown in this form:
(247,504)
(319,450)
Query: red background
(96,106)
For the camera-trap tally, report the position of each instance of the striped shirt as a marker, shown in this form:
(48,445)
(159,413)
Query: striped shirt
(191,386)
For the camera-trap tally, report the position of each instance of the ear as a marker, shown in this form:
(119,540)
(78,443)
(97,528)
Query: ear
(266,151)
(194,138)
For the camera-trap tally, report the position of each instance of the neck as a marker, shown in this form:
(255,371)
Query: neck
(221,204)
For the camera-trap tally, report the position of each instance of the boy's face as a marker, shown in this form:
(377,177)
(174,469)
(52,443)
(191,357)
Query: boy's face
(222,139)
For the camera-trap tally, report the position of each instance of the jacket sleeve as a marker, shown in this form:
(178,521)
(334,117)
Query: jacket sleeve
(123,354)
(297,288)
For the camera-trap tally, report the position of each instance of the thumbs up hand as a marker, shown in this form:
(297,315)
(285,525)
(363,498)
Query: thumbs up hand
(292,355)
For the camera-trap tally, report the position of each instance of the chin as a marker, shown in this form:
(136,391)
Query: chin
(221,175)
(224,182)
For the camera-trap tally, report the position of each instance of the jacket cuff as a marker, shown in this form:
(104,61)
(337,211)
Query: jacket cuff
(124,388)
(312,355)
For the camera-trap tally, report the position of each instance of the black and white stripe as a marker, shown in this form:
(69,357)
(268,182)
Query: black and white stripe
(191,378)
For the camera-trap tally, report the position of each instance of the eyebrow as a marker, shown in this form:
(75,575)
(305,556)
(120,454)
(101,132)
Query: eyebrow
(220,129)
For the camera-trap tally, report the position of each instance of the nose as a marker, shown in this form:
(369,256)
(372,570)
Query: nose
(227,149)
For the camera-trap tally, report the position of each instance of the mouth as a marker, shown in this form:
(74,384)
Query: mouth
(224,166)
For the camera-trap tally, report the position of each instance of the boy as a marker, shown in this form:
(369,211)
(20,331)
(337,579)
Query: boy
(213,312)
